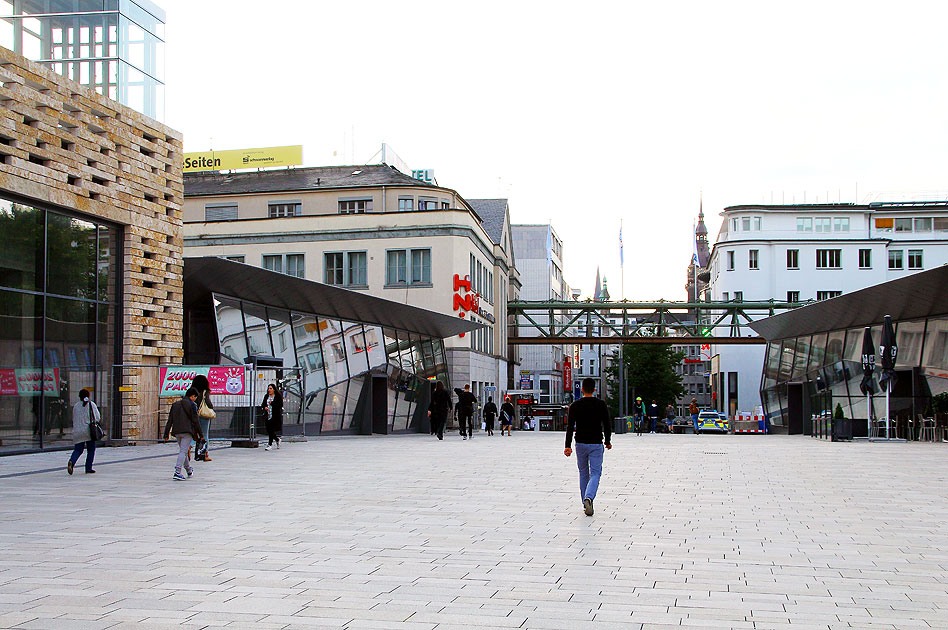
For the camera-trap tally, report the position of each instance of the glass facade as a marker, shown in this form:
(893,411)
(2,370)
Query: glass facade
(829,365)
(58,326)
(336,360)
(116,47)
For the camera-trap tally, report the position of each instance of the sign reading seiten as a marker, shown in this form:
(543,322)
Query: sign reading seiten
(243,158)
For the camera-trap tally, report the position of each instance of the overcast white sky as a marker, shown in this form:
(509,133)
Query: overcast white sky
(583,114)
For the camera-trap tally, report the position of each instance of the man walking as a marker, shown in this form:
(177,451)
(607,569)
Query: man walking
(693,410)
(438,409)
(490,412)
(466,402)
(653,414)
(506,416)
(590,418)
(183,423)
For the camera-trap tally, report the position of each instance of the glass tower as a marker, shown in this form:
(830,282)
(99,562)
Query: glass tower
(115,47)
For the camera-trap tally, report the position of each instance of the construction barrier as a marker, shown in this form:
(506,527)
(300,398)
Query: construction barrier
(746,422)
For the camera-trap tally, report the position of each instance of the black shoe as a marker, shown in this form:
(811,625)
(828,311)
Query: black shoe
(69,467)
(588,506)
(89,471)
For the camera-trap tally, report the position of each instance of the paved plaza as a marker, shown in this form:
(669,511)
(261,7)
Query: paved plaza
(405,532)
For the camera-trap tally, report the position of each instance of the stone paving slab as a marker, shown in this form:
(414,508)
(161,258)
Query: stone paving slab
(406,532)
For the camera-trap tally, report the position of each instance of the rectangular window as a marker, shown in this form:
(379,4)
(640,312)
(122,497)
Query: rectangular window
(923,225)
(746,224)
(940,224)
(895,259)
(730,261)
(421,266)
(793,296)
(793,259)
(355,206)
(356,269)
(725,296)
(753,259)
(915,259)
(427,204)
(841,224)
(273,263)
(290,264)
(277,210)
(396,268)
(734,224)
(445,205)
(804,224)
(865,259)
(826,295)
(406,204)
(332,264)
(903,225)
(884,225)
(822,224)
(757,223)
(828,258)
(738,296)
(220,212)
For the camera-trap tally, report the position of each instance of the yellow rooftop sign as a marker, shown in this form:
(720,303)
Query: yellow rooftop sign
(243,158)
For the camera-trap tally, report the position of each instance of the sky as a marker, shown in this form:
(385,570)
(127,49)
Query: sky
(584,115)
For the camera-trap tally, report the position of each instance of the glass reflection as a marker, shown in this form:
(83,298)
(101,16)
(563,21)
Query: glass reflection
(230,329)
(356,358)
(21,257)
(72,256)
(335,407)
(258,335)
(334,351)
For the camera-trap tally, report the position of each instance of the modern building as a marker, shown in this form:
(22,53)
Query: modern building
(115,47)
(346,361)
(539,253)
(374,230)
(90,268)
(806,252)
(813,358)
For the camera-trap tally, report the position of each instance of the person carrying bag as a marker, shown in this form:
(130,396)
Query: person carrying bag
(86,430)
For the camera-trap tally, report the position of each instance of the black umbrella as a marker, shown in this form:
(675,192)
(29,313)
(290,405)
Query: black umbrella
(868,362)
(888,352)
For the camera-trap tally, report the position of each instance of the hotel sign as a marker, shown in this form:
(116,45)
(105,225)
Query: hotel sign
(243,158)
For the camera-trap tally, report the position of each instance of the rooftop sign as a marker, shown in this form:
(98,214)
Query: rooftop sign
(243,158)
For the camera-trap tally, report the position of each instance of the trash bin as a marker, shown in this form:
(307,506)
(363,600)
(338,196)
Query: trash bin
(843,430)
(618,425)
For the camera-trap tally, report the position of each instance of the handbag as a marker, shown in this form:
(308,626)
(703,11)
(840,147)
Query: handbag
(205,411)
(95,430)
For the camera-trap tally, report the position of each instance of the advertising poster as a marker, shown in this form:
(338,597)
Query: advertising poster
(29,382)
(175,381)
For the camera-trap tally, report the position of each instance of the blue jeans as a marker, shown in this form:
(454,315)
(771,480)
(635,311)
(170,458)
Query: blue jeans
(90,455)
(694,420)
(589,460)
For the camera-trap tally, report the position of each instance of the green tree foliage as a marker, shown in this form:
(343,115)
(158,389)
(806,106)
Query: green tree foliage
(649,373)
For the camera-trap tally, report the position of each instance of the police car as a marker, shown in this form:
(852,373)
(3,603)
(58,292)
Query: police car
(710,421)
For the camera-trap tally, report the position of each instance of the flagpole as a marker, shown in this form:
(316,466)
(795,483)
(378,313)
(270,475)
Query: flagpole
(621,261)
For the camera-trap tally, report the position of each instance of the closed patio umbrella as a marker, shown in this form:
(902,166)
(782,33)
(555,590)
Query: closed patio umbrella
(868,367)
(888,352)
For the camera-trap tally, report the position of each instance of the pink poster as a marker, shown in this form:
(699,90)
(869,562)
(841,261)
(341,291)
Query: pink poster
(175,381)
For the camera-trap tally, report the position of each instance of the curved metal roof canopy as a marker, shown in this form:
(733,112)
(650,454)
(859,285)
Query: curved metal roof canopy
(211,274)
(916,296)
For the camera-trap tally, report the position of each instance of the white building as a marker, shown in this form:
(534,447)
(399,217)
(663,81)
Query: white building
(811,252)
(539,256)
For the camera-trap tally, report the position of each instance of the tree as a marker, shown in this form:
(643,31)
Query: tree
(649,373)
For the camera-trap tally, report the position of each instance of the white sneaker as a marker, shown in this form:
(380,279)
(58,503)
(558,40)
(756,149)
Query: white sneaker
(268,448)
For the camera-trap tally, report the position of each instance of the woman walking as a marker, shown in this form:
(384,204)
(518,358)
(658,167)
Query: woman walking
(203,387)
(83,413)
(273,406)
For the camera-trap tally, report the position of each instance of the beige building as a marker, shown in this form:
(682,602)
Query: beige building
(371,228)
(90,268)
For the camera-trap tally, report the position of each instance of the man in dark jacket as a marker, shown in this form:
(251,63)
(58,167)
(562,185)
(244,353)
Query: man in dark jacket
(490,412)
(590,417)
(183,423)
(653,414)
(506,416)
(438,409)
(466,402)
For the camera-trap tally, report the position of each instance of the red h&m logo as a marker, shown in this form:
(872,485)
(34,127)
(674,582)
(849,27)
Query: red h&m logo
(469,302)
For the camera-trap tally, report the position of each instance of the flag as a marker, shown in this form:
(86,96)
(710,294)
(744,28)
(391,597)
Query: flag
(694,253)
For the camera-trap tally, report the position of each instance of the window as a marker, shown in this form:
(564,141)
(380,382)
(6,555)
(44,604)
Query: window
(725,296)
(738,296)
(355,206)
(940,224)
(235,258)
(445,205)
(793,259)
(730,261)
(804,224)
(914,259)
(356,269)
(421,266)
(884,225)
(333,266)
(290,264)
(826,295)
(406,204)
(923,225)
(220,211)
(734,224)
(841,224)
(793,296)
(895,259)
(396,270)
(865,259)
(427,204)
(757,223)
(746,224)
(828,258)
(753,258)
(822,224)
(903,225)
(293,209)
